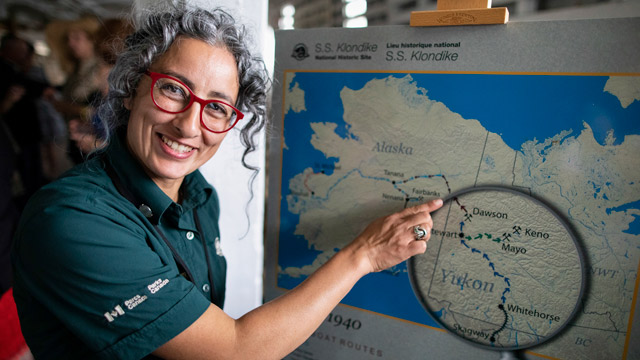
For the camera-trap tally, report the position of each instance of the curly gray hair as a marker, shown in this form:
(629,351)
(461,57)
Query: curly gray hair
(155,33)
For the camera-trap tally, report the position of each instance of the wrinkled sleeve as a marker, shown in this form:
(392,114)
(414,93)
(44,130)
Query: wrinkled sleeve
(97,272)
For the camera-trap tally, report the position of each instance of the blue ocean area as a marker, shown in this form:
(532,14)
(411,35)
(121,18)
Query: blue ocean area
(523,107)
(519,108)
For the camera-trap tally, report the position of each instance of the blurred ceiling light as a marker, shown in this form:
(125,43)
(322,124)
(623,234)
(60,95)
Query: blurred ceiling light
(285,23)
(355,8)
(358,22)
(286,20)
(288,10)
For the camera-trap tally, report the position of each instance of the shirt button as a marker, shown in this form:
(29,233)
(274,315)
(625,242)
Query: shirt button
(145,210)
(206,288)
(190,235)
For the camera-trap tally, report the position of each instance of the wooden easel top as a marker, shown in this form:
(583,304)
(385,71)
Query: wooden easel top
(460,12)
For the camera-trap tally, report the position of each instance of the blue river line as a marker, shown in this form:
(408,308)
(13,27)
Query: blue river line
(485,257)
(376,178)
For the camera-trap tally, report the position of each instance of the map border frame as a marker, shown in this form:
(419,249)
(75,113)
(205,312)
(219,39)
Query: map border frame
(546,47)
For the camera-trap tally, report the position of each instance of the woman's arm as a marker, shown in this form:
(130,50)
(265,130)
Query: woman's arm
(276,328)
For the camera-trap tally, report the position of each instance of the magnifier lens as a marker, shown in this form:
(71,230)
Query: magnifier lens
(502,269)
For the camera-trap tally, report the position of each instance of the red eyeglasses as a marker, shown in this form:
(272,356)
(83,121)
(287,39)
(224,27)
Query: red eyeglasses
(173,96)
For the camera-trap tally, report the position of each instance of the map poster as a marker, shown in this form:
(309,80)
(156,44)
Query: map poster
(369,121)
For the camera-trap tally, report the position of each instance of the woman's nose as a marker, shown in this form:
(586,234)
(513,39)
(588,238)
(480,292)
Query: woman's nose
(188,122)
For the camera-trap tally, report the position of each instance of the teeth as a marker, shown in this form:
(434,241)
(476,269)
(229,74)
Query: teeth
(175,146)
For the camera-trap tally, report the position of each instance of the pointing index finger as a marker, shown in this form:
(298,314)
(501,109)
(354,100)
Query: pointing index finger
(430,206)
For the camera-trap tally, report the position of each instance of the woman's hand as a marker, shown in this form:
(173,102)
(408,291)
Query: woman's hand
(278,327)
(390,240)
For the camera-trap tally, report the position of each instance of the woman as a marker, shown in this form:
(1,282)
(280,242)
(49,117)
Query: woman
(119,258)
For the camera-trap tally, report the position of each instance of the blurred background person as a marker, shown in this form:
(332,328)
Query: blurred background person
(18,95)
(10,94)
(109,41)
(20,173)
(73,45)
(53,129)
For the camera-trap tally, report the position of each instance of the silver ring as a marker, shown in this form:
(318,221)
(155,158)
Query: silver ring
(419,232)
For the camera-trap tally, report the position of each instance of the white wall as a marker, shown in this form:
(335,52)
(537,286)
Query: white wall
(244,253)
(242,240)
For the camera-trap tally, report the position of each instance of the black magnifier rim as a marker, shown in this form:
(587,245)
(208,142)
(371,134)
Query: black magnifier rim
(412,272)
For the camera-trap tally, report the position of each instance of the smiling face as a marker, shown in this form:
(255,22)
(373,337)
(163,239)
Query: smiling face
(171,146)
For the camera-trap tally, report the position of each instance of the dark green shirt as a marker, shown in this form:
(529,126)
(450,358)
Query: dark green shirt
(93,276)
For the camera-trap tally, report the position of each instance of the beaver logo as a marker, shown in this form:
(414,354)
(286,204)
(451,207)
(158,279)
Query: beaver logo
(300,52)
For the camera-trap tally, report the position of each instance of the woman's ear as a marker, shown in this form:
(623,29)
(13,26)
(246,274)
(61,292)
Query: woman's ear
(127,103)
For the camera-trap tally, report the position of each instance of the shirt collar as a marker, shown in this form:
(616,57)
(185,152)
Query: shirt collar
(130,172)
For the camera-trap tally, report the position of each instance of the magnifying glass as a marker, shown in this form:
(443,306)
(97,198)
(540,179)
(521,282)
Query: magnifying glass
(502,269)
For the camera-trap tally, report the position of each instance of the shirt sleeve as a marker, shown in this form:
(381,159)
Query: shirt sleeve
(99,272)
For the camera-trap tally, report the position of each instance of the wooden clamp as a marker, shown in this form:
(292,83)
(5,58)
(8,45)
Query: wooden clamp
(460,12)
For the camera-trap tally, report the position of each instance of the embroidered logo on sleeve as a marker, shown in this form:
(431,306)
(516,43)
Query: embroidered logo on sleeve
(218,247)
(135,301)
(113,314)
(157,285)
